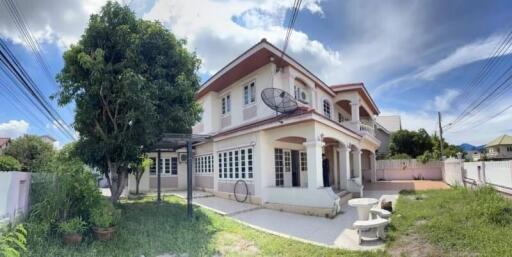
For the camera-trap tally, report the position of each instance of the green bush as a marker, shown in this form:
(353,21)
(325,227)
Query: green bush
(72,226)
(70,191)
(400,156)
(105,215)
(13,243)
(9,163)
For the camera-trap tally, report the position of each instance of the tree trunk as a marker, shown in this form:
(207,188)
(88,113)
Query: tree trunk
(137,182)
(118,178)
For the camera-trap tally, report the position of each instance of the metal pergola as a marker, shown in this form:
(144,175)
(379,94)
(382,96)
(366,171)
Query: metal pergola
(171,142)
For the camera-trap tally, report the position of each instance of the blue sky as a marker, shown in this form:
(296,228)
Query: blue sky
(415,57)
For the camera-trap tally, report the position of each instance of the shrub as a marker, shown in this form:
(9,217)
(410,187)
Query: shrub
(400,156)
(72,226)
(9,163)
(13,242)
(105,215)
(425,157)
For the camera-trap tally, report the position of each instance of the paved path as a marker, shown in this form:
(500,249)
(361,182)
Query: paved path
(336,232)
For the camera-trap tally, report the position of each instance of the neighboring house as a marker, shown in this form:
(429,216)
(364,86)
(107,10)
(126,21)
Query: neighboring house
(279,156)
(474,155)
(499,148)
(4,143)
(385,126)
(48,139)
(14,195)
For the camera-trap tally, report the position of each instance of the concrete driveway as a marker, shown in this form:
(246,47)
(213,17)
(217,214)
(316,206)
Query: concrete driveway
(336,232)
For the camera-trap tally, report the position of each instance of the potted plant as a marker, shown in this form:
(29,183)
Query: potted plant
(72,230)
(104,218)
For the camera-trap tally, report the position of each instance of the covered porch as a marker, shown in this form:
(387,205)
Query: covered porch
(314,174)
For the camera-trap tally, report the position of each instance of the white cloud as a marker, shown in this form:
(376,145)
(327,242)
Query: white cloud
(13,128)
(469,53)
(221,30)
(444,101)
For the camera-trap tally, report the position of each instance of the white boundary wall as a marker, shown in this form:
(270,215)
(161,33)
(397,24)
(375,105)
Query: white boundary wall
(494,173)
(409,170)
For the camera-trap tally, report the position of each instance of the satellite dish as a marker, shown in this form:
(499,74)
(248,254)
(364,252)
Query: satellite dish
(279,100)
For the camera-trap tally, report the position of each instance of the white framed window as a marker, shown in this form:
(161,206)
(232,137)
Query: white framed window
(249,93)
(236,164)
(204,164)
(226,104)
(509,148)
(167,167)
(303,162)
(327,108)
(279,166)
(174,165)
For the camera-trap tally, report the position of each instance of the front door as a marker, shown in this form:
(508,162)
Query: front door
(295,168)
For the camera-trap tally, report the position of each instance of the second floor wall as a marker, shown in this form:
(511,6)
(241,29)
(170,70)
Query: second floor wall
(240,103)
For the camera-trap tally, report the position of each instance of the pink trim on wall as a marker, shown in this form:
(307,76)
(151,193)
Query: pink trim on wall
(428,173)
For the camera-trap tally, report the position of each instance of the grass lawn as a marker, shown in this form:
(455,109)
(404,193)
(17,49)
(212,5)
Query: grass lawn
(149,229)
(454,222)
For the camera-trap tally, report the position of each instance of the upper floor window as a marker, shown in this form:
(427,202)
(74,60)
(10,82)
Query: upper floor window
(249,93)
(327,108)
(226,104)
(509,148)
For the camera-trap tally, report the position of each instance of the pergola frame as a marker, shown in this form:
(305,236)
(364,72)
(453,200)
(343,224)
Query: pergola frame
(170,142)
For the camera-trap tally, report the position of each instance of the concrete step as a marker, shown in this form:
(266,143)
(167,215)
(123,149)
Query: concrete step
(344,196)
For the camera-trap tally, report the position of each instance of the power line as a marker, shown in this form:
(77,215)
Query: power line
(291,23)
(13,66)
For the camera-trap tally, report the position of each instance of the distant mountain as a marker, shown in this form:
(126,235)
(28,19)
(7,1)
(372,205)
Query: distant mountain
(469,147)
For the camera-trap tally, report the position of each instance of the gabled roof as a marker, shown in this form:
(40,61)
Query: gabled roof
(501,140)
(4,141)
(359,87)
(263,53)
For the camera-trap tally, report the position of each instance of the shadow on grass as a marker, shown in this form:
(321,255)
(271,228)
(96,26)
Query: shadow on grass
(147,228)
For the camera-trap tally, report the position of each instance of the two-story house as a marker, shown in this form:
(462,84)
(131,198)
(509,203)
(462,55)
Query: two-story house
(281,157)
(499,148)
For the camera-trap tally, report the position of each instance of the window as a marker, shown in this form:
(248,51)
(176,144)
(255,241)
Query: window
(152,168)
(174,166)
(249,93)
(303,161)
(327,109)
(167,168)
(279,168)
(287,161)
(226,104)
(236,164)
(340,117)
(509,148)
(204,164)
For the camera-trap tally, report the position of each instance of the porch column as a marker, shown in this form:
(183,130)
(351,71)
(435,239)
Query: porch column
(344,166)
(354,111)
(357,164)
(373,166)
(314,159)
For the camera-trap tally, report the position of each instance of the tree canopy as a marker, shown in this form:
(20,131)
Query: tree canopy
(131,80)
(419,144)
(34,154)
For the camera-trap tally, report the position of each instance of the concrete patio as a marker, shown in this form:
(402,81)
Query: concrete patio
(335,232)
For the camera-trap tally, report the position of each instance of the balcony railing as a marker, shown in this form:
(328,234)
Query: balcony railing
(367,128)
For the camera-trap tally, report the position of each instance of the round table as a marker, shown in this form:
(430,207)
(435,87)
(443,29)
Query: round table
(363,206)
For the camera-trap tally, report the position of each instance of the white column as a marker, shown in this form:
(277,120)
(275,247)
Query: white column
(373,165)
(344,166)
(215,168)
(314,159)
(354,111)
(357,164)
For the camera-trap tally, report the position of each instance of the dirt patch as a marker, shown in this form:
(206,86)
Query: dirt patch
(232,244)
(412,244)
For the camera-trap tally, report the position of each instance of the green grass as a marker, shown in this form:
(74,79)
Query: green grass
(456,222)
(149,229)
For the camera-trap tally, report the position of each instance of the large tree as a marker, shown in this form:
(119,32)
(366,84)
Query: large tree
(412,143)
(34,154)
(131,80)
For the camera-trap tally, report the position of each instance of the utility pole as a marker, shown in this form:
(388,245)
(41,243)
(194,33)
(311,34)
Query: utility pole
(441,135)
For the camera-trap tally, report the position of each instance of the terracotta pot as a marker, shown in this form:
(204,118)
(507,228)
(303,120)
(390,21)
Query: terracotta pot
(104,234)
(72,239)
